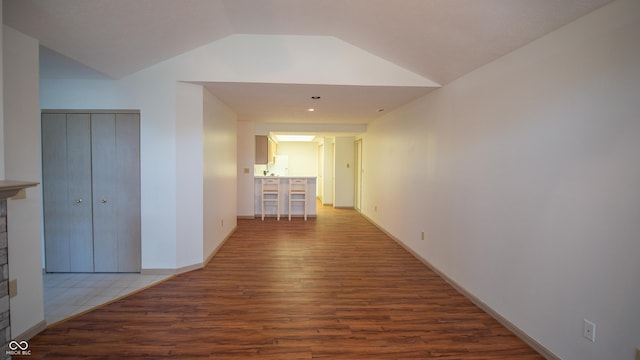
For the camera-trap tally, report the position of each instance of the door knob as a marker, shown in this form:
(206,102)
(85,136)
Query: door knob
(79,201)
(104,201)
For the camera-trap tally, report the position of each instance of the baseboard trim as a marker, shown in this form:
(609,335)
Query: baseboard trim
(546,353)
(157,272)
(215,251)
(32,331)
(191,267)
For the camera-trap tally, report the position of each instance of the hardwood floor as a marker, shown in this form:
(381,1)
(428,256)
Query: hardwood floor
(334,287)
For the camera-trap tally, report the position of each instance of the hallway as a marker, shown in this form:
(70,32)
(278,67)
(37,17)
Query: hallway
(333,287)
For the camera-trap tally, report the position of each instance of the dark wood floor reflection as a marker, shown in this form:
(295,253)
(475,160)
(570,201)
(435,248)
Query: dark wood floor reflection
(334,287)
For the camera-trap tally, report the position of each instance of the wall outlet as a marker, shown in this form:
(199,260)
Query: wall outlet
(589,330)
(13,288)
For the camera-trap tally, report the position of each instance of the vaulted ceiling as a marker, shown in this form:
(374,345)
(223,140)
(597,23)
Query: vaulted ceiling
(440,40)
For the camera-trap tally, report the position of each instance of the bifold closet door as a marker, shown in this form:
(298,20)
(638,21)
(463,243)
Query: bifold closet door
(66,172)
(115,152)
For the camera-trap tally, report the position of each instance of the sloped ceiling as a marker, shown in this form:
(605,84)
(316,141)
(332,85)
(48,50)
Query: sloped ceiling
(440,40)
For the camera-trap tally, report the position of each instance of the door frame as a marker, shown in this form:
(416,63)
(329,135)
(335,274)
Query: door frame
(358,175)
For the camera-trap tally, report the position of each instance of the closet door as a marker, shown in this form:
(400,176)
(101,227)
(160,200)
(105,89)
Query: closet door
(115,152)
(66,172)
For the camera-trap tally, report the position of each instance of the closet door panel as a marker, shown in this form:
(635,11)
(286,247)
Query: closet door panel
(127,170)
(79,188)
(55,192)
(91,186)
(103,146)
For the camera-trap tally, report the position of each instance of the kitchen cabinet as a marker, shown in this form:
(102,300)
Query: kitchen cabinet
(91,191)
(265,150)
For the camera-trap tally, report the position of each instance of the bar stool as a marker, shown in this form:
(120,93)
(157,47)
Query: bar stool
(271,193)
(298,193)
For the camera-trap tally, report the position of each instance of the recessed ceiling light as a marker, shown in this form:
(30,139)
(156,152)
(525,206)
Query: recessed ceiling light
(315,97)
(311,109)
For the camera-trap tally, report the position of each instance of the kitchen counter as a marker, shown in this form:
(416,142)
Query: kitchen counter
(270,209)
(286,177)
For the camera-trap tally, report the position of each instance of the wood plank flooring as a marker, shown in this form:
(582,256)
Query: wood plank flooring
(334,287)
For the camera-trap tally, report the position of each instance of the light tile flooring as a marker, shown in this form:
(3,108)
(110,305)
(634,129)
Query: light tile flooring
(66,295)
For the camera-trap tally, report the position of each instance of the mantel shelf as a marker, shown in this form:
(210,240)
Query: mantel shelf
(9,188)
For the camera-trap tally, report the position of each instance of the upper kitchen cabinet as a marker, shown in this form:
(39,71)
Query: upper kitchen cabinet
(265,150)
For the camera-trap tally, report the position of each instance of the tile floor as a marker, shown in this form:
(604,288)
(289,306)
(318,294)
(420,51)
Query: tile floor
(66,295)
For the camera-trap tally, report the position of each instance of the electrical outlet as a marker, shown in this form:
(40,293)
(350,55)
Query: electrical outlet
(589,330)
(13,288)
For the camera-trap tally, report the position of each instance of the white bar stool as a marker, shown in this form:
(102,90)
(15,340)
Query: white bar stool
(298,193)
(271,193)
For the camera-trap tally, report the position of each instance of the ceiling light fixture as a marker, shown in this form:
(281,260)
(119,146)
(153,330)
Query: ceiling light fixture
(311,109)
(315,97)
(295,137)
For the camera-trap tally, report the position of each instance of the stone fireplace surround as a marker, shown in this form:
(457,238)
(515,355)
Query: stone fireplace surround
(8,188)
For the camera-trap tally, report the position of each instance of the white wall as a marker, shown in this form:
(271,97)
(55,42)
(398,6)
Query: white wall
(1,101)
(155,96)
(246,158)
(524,176)
(22,162)
(189,179)
(327,171)
(344,175)
(220,172)
(303,157)
(291,59)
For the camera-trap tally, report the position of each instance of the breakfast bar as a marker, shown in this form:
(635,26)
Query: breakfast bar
(283,198)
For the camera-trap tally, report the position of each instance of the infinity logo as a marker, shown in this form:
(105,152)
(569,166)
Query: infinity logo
(22,345)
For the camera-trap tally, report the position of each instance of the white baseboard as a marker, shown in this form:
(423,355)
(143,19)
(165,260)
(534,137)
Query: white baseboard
(32,331)
(191,267)
(546,353)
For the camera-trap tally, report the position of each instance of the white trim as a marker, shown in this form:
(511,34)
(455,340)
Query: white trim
(32,331)
(546,353)
(191,267)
